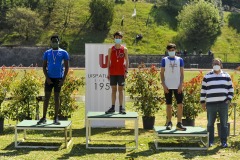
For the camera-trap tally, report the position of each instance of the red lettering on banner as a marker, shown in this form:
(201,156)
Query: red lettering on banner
(101,61)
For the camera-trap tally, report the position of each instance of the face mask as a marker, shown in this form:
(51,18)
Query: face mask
(171,53)
(55,45)
(216,67)
(118,41)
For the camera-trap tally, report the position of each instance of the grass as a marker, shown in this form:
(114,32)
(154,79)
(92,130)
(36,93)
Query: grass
(226,45)
(161,29)
(146,149)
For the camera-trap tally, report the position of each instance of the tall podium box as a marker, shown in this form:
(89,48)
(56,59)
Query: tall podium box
(98,89)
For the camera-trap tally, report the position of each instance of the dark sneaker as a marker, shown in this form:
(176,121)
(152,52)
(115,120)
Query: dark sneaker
(56,121)
(122,110)
(42,121)
(111,110)
(224,145)
(180,127)
(169,126)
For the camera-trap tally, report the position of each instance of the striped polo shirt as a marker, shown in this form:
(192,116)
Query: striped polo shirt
(216,88)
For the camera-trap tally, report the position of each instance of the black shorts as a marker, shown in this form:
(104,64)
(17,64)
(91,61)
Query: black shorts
(168,96)
(48,88)
(117,80)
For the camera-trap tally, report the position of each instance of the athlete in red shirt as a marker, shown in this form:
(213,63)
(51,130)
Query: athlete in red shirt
(117,71)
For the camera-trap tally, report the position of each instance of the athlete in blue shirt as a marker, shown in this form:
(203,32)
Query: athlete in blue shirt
(55,69)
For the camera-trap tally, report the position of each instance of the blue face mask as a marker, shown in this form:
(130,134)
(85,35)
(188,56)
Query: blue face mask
(171,53)
(118,41)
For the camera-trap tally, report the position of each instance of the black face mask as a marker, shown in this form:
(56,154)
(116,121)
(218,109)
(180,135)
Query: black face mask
(55,44)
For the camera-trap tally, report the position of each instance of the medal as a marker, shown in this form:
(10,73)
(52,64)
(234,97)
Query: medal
(117,54)
(54,57)
(172,65)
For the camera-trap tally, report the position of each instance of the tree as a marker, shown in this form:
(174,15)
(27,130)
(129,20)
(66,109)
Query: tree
(5,5)
(24,21)
(59,15)
(218,4)
(45,8)
(199,20)
(170,3)
(231,3)
(102,12)
(33,4)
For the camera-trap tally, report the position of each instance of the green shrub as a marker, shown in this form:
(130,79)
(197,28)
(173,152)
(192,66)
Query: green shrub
(102,12)
(24,93)
(144,88)
(6,78)
(191,99)
(67,96)
(199,21)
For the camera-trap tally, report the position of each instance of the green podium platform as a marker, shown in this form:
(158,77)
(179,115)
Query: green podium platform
(160,132)
(25,125)
(98,116)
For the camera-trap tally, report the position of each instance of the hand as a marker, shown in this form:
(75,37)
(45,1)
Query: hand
(49,81)
(204,106)
(60,84)
(180,88)
(227,101)
(125,75)
(165,89)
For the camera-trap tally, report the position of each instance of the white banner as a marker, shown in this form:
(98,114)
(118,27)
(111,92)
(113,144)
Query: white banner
(98,89)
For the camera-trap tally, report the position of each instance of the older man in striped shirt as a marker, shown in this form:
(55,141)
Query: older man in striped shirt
(216,94)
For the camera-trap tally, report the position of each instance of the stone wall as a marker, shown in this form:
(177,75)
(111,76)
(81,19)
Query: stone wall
(190,61)
(27,56)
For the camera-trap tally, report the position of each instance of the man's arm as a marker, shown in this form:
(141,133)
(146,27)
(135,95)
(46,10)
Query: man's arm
(162,70)
(45,68)
(109,62)
(181,75)
(203,94)
(66,66)
(126,58)
(162,75)
(181,72)
(180,87)
(45,72)
(163,80)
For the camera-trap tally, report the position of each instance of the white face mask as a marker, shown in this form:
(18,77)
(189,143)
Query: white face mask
(171,53)
(216,67)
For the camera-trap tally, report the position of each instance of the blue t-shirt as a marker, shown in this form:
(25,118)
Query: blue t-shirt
(55,60)
(172,59)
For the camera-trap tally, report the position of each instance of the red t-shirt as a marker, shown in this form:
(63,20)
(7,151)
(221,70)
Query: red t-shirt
(117,66)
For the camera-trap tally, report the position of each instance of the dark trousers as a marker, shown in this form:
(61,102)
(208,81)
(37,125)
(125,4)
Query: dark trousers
(222,110)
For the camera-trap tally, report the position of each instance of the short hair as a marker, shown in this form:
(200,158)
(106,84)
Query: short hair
(170,46)
(118,33)
(217,59)
(55,36)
